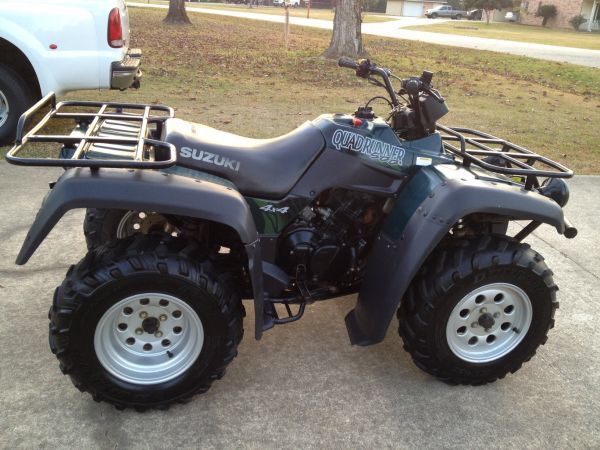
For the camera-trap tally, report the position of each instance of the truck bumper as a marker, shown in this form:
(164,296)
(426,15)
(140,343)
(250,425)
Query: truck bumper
(127,74)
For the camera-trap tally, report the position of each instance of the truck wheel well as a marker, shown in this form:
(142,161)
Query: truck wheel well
(11,56)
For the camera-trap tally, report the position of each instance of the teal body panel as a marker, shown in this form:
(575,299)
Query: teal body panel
(429,204)
(414,192)
(375,143)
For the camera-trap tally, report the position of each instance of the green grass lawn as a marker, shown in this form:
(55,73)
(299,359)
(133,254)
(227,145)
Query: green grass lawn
(325,14)
(235,75)
(517,32)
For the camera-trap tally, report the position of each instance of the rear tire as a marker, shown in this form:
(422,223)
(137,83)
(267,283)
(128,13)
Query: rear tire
(442,320)
(100,226)
(15,98)
(190,323)
(105,225)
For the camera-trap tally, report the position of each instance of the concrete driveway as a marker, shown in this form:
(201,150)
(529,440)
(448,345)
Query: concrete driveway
(303,385)
(394,29)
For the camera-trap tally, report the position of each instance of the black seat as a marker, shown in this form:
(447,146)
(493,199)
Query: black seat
(265,168)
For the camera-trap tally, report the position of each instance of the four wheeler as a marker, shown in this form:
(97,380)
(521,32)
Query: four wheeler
(183,221)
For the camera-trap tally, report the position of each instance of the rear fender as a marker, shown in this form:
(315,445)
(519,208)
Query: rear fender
(145,190)
(425,211)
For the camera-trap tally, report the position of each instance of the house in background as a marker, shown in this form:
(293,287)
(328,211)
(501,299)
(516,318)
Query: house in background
(566,9)
(410,8)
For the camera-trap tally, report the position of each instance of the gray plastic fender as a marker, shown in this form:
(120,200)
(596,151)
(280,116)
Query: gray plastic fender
(146,190)
(432,202)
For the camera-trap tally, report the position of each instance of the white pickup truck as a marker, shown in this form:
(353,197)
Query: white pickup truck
(61,46)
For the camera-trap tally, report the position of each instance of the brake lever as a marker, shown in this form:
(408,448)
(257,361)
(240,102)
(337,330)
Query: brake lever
(375,81)
(435,94)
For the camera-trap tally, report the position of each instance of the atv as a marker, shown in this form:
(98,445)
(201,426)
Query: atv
(184,221)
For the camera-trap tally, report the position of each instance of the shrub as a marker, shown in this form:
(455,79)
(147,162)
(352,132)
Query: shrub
(547,12)
(577,21)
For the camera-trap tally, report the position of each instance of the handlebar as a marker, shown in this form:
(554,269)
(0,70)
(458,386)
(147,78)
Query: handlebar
(412,86)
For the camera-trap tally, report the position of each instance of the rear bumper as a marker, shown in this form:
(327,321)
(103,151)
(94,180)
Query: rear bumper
(127,74)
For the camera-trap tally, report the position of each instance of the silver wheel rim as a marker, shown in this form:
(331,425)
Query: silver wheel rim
(4,109)
(489,322)
(148,338)
(142,222)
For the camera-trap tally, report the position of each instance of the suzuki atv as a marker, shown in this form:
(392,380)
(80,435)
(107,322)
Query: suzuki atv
(184,221)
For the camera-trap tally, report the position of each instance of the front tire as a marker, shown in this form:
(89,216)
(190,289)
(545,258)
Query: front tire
(145,322)
(478,310)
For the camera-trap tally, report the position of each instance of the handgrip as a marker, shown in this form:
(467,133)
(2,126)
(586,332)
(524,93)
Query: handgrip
(570,230)
(347,62)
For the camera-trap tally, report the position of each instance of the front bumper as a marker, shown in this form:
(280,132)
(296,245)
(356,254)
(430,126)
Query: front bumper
(127,74)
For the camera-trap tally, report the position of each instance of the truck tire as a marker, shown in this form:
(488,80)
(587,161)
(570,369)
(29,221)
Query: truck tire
(15,98)
(145,322)
(433,16)
(478,309)
(458,17)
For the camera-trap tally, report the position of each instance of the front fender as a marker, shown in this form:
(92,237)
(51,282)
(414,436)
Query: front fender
(146,190)
(426,209)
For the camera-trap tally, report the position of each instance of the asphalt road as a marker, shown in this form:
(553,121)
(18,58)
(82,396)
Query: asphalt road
(303,385)
(394,29)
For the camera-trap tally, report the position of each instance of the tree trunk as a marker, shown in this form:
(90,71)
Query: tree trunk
(346,39)
(488,13)
(177,14)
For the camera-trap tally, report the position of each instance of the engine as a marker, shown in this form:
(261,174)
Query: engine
(327,244)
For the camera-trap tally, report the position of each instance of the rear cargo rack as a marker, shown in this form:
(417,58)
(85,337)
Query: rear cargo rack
(500,156)
(110,135)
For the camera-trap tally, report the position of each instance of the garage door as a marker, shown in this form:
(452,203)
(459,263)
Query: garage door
(394,8)
(413,9)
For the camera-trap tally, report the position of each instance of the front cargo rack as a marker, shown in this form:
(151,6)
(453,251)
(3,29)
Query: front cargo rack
(107,135)
(500,156)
